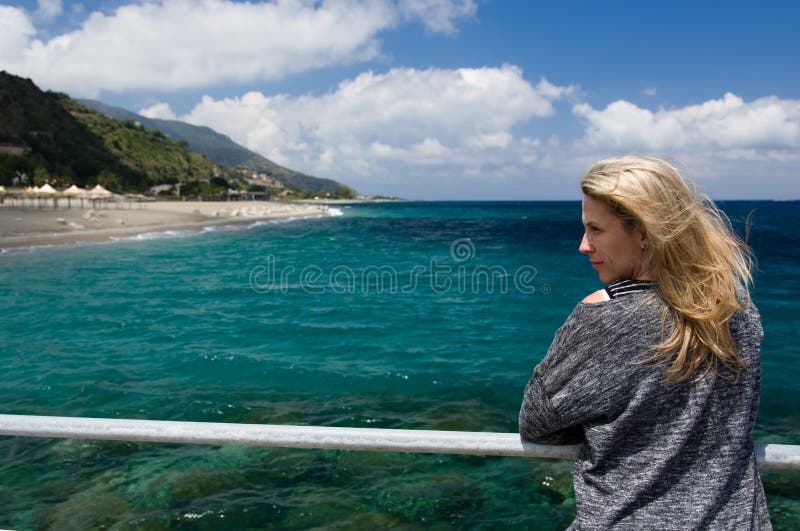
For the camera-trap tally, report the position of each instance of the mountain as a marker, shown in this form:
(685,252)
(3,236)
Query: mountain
(49,137)
(220,148)
(52,141)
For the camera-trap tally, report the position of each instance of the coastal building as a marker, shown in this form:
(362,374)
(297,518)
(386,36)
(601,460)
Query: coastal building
(13,149)
(162,189)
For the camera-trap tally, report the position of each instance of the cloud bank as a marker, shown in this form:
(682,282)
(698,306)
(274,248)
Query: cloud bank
(728,123)
(388,126)
(177,44)
(732,147)
(413,129)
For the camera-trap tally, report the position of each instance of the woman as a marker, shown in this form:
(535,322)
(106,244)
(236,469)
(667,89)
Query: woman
(658,374)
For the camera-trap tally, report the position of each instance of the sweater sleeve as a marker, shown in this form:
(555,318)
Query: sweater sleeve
(577,381)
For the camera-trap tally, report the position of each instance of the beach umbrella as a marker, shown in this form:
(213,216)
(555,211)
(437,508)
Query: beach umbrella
(139,198)
(77,193)
(98,192)
(34,193)
(48,190)
(74,191)
(28,193)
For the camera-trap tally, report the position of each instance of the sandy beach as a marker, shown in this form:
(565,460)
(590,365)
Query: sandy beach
(22,227)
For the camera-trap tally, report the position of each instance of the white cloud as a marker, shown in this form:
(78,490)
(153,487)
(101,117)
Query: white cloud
(733,148)
(437,15)
(430,147)
(49,9)
(500,139)
(555,92)
(728,123)
(650,91)
(383,126)
(158,110)
(176,44)
(16,30)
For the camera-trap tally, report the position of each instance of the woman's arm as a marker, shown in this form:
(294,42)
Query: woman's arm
(539,423)
(579,380)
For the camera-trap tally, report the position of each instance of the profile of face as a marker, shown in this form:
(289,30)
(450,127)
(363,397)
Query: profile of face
(614,250)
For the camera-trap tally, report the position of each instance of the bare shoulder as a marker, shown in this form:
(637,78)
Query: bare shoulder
(598,296)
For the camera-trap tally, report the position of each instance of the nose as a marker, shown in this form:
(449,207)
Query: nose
(585,247)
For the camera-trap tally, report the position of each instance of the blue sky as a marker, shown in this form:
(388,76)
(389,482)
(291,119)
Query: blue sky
(454,99)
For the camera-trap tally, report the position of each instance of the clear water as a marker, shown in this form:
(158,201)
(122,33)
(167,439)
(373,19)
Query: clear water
(390,316)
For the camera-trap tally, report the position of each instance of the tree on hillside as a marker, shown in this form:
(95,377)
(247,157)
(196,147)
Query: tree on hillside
(109,180)
(219,182)
(190,188)
(344,192)
(41,176)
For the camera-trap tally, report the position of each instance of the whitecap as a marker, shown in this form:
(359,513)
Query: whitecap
(156,235)
(223,228)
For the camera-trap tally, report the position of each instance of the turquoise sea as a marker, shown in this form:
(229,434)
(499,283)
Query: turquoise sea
(395,315)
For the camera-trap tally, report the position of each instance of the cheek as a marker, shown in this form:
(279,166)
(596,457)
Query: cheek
(629,253)
(617,252)
(606,248)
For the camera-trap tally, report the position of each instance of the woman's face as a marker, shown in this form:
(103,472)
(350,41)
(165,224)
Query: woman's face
(614,250)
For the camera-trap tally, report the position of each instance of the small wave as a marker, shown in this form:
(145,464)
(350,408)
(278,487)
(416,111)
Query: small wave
(256,224)
(156,235)
(233,227)
(263,222)
(22,249)
(181,233)
(335,212)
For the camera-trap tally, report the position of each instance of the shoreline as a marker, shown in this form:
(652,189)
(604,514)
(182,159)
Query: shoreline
(29,227)
(328,201)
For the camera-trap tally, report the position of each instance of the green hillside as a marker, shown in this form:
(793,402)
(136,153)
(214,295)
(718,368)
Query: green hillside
(65,142)
(148,150)
(56,143)
(221,149)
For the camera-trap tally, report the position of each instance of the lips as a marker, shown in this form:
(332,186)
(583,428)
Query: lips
(596,264)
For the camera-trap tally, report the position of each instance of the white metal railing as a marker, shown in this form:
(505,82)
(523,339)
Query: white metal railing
(769,456)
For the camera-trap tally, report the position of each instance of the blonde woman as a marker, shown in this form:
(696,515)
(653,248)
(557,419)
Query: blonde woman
(657,375)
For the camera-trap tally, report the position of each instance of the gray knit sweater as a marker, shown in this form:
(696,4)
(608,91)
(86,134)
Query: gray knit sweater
(655,455)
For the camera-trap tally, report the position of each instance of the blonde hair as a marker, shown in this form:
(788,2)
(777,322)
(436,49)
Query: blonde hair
(692,253)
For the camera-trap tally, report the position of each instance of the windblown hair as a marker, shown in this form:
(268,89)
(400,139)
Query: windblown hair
(692,253)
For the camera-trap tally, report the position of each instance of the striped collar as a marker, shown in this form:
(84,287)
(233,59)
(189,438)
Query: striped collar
(619,288)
